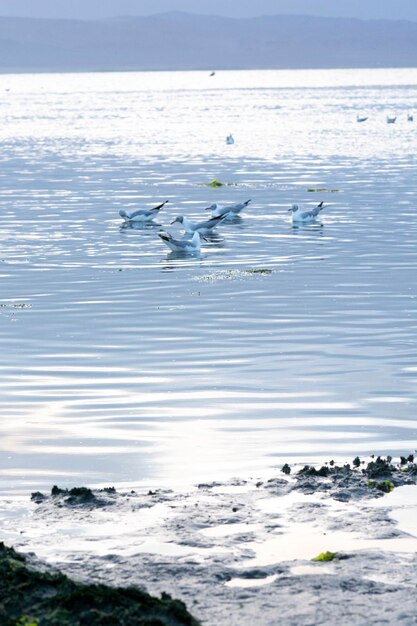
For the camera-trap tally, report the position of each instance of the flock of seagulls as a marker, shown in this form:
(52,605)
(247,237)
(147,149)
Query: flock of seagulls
(391,119)
(195,232)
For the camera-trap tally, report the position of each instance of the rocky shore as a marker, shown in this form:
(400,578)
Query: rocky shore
(310,545)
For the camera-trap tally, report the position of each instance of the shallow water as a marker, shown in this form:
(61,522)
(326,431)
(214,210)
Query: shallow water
(124,364)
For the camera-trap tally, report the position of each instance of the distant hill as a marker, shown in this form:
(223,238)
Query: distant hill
(176,41)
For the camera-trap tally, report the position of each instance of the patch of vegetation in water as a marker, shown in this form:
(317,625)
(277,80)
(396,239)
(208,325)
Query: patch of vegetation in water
(15,305)
(325,556)
(214,184)
(32,598)
(230,274)
(322,190)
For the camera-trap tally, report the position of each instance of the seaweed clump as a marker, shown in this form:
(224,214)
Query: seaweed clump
(325,556)
(32,598)
(216,183)
(359,479)
(386,486)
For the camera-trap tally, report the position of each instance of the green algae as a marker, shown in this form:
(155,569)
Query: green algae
(325,556)
(32,598)
(385,485)
(322,190)
(214,184)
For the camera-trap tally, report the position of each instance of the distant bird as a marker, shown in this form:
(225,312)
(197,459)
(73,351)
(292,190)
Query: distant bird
(142,215)
(186,246)
(204,228)
(230,140)
(359,118)
(301,216)
(410,117)
(229,211)
(391,119)
(213,74)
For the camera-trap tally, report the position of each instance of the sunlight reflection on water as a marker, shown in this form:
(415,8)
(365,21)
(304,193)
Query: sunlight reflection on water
(123,363)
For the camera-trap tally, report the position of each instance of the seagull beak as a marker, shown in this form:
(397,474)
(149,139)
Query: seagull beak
(173,222)
(208,208)
(289,210)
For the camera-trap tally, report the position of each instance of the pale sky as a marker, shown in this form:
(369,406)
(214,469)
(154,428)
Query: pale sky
(90,9)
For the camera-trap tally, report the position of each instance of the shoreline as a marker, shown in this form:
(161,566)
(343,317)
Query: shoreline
(247,549)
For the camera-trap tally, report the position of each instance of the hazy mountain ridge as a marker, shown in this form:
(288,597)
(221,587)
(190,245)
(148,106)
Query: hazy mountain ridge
(185,41)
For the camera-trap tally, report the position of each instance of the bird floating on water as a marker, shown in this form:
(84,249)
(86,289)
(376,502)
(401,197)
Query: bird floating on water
(360,118)
(410,117)
(204,228)
(186,246)
(142,215)
(301,216)
(229,211)
(230,140)
(391,119)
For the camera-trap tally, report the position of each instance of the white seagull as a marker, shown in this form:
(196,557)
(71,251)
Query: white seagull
(360,118)
(204,228)
(142,215)
(391,119)
(229,211)
(186,246)
(301,216)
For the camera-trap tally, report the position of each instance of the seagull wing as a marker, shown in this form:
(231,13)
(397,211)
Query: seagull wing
(159,207)
(307,214)
(211,223)
(236,208)
(143,212)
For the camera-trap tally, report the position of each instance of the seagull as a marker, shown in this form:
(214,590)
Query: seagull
(229,211)
(305,217)
(142,215)
(391,119)
(230,140)
(204,228)
(182,245)
(359,118)
(410,117)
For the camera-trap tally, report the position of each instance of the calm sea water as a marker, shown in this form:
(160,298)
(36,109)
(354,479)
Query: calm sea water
(124,364)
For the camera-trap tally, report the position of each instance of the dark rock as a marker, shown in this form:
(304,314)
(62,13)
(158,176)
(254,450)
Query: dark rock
(380,468)
(309,470)
(342,496)
(52,599)
(38,497)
